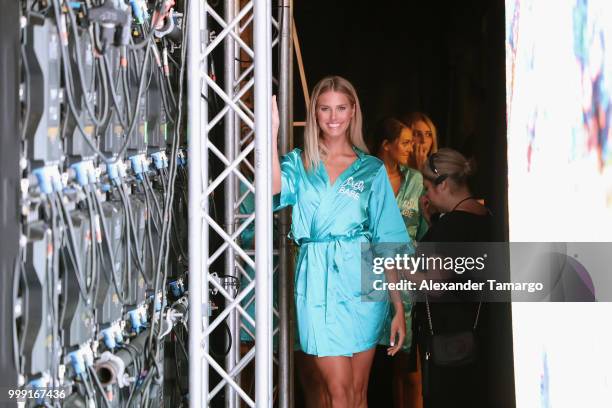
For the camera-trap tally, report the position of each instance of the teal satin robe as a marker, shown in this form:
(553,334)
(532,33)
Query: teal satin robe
(329,223)
(407,198)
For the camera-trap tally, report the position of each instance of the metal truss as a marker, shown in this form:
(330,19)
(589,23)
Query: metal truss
(245,154)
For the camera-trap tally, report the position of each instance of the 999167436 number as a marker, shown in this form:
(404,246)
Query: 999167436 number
(25,394)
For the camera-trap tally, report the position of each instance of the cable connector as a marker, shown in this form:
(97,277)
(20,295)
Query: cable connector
(160,160)
(162,14)
(85,172)
(137,11)
(118,335)
(116,170)
(109,338)
(110,19)
(88,356)
(49,179)
(40,383)
(177,288)
(167,25)
(144,319)
(157,304)
(181,158)
(112,169)
(139,165)
(135,320)
(77,361)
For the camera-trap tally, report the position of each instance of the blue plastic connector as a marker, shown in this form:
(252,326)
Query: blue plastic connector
(160,160)
(176,288)
(138,14)
(109,339)
(135,320)
(181,159)
(41,382)
(49,179)
(85,173)
(136,164)
(77,361)
(81,174)
(44,182)
(112,169)
(139,165)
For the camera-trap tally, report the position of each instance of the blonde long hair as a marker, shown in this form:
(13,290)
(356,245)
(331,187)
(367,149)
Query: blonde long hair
(411,120)
(314,151)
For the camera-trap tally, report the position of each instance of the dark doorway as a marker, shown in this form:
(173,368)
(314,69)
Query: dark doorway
(444,58)
(439,57)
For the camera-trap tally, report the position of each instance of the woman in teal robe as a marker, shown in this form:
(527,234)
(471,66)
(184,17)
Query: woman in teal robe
(341,198)
(393,142)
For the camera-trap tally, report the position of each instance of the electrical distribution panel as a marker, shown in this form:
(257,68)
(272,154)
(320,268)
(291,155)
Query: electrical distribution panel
(94,271)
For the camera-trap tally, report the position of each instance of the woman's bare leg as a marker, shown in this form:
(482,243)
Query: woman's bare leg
(337,373)
(315,391)
(362,364)
(414,390)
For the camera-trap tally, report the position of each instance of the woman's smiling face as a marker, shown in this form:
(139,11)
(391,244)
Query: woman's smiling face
(334,114)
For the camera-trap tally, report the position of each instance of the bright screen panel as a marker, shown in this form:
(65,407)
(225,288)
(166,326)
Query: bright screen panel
(559,115)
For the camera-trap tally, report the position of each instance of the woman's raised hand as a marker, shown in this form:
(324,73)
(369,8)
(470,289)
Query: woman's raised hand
(427,209)
(420,153)
(276,171)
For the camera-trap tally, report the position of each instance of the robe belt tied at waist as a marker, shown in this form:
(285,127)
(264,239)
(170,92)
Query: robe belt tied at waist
(334,257)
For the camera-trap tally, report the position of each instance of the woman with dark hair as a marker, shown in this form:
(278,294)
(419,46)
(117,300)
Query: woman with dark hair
(341,198)
(393,143)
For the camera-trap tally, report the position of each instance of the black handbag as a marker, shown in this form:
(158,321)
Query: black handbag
(451,349)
